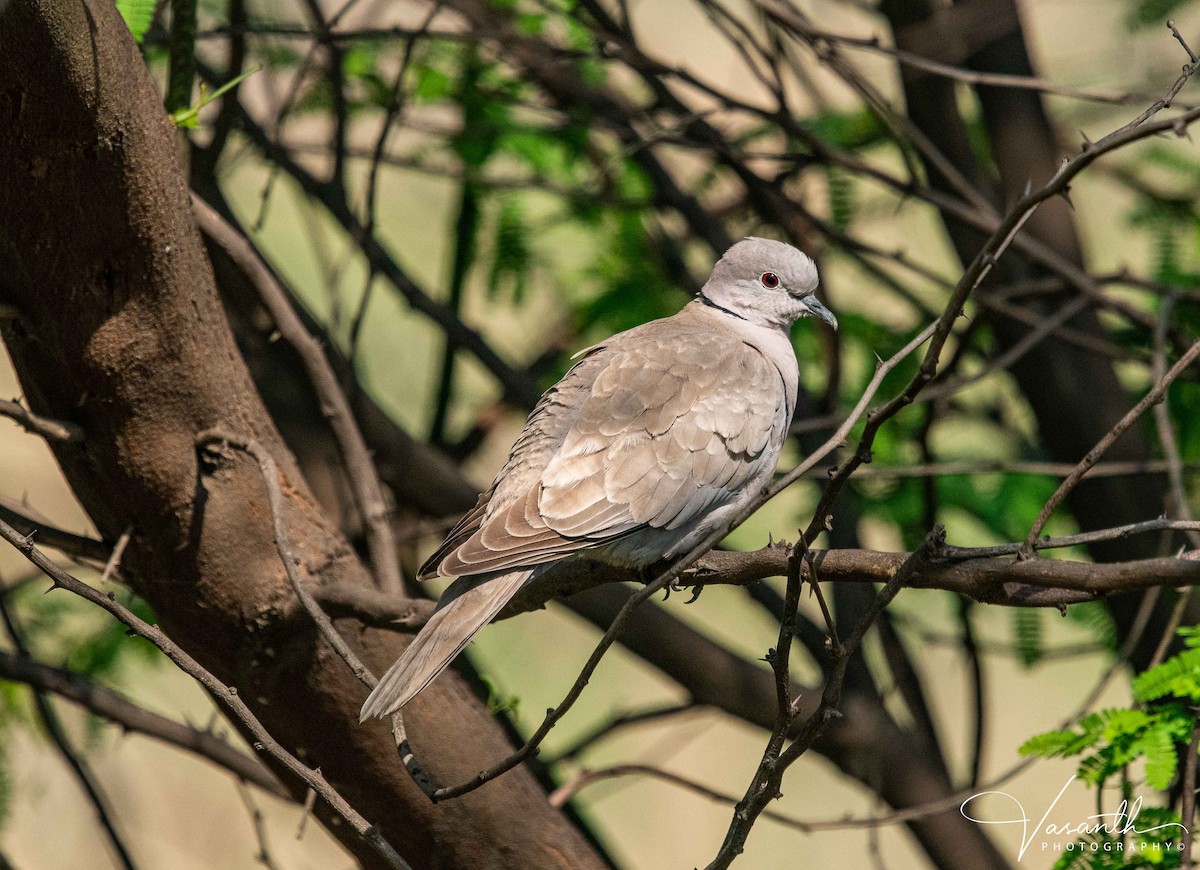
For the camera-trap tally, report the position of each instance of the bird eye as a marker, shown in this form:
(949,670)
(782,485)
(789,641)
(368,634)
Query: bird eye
(769,280)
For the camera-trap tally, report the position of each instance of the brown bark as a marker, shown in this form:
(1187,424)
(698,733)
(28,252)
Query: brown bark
(119,329)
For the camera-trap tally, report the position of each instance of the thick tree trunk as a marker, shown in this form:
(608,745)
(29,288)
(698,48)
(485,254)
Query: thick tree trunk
(119,328)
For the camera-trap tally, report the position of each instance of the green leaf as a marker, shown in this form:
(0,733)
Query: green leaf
(187,118)
(849,130)
(1027,626)
(842,200)
(512,258)
(1095,617)
(1124,723)
(1161,758)
(1057,744)
(1178,675)
(1152,13)
(432,85)
(138,15)
(1190,635)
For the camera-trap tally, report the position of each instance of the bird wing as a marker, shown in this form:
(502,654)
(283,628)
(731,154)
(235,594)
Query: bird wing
(649,431)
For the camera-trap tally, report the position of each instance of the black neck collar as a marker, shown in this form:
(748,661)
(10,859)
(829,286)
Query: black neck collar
(704,300)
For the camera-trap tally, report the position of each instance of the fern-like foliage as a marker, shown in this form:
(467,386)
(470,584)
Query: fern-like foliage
(1178,675)
(1108,742)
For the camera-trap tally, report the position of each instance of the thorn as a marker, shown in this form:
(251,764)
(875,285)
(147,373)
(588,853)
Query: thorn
(1065,193)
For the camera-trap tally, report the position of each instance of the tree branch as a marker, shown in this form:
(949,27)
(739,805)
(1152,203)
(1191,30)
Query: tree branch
(225,696)
(51,430)
(117,709)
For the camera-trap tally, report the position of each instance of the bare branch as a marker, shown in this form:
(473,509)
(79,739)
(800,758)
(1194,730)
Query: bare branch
(131,718)
(51,430)
(225,696)
(1156,395)
(213,439)
(78,765)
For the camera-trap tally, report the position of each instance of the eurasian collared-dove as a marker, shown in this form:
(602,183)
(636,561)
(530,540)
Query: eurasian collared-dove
(641,450)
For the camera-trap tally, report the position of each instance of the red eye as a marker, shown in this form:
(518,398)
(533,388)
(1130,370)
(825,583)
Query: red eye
(769,280)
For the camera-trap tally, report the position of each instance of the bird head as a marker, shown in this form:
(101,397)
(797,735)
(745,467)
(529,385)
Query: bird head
(766,282)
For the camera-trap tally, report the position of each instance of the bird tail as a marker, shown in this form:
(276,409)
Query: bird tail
(467,605)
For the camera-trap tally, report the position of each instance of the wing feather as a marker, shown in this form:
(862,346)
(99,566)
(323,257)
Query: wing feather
(648,431)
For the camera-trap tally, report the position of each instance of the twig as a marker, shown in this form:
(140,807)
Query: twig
(1153,397)
(567,791)
(260,828)
(51,430)
(114,561)
(1168,633)
(1178,502)
(290,31)
(368,491)
(225,696)
(131,718)
(215,438)
(970,646)
(1016,466)
(310,802)
(75,546)
(1188,806)
(765,786)
(617,723)
(989,79)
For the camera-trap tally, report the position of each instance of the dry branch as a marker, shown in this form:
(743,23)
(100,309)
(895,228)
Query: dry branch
(226,697)
(131,718)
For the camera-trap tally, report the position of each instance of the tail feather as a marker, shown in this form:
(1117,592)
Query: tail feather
(465,607)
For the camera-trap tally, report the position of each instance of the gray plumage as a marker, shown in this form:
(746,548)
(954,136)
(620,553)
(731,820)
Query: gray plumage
(644,446)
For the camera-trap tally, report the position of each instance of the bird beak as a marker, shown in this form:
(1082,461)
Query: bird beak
(819,311)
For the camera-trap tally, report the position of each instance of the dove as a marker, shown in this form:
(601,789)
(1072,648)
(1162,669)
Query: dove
(645,446)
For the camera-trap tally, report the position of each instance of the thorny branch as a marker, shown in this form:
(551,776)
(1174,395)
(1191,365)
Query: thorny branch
(133,719)
(765,785)
(79,766)
(225,696)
